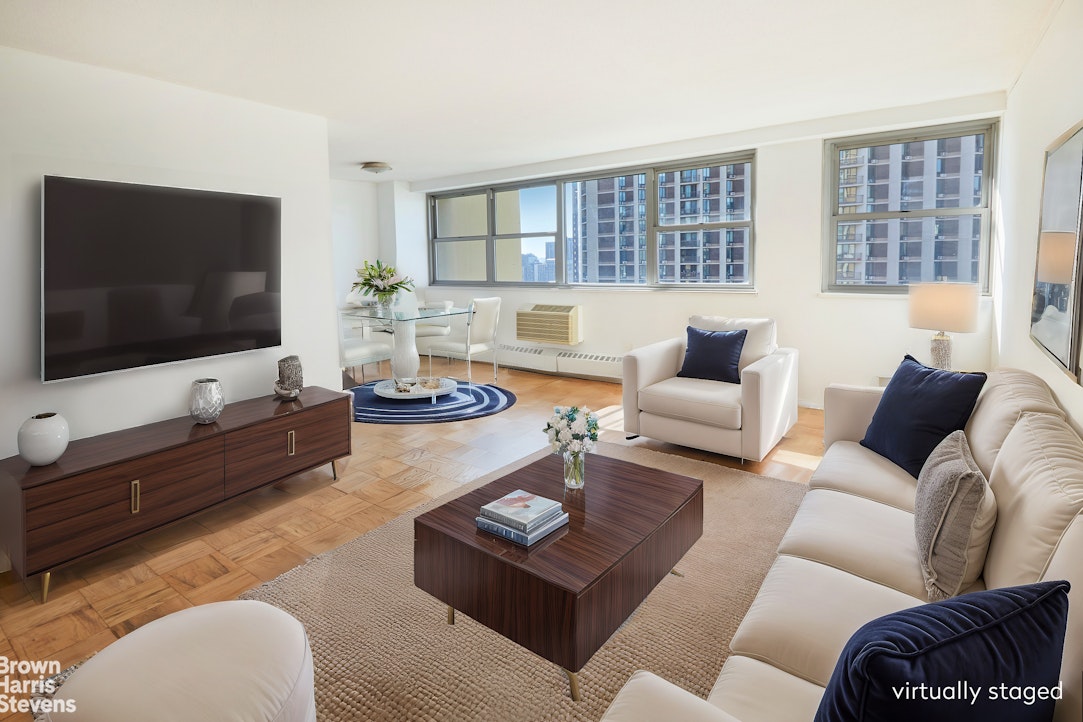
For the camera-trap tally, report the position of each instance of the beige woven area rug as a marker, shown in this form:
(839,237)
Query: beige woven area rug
(383,649)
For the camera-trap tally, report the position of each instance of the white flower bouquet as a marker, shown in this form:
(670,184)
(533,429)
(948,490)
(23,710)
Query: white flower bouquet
(572,429)
(381,281)
(572,432)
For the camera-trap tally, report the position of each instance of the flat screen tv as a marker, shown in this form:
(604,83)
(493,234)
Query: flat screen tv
(138,275)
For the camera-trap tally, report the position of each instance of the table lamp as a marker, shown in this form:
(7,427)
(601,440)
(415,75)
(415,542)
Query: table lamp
(943,307)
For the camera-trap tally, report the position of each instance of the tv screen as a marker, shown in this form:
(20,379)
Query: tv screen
(137,275)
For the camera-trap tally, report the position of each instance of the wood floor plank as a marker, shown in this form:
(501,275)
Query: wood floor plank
(118,584)
(330,537)
(179,555)
(302,525)
(227,586)
(341,508)
(166,604)
(238,532)
(256,545)
(124,605)
(199,573)
(276,562)
(43,641)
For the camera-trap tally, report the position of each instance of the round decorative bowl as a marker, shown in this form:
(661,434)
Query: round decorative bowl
(286,394)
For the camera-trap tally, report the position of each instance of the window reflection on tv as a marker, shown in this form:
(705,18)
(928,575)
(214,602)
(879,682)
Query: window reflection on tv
(138,275)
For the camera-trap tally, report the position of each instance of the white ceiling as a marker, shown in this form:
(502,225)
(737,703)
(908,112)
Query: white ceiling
(447,87)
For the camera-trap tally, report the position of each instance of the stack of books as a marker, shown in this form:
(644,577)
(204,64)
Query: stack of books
(522,517)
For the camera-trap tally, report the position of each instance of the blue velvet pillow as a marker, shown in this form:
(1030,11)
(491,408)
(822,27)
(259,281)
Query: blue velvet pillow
(919,408)
(713,355)
(992,655)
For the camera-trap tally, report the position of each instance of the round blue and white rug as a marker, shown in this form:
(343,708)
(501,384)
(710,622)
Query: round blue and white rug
(467,401)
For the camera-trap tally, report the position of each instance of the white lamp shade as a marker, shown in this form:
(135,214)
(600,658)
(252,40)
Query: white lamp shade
(1056,257)
(944,306)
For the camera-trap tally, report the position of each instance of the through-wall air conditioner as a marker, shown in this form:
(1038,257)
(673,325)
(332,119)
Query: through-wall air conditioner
(548,323)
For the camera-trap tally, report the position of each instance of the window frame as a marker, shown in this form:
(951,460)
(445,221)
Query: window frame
(831,188)
(654,227)
(491,236)
(650,171)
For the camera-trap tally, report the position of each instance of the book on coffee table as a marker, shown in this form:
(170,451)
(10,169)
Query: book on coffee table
(524,538)
(521,510)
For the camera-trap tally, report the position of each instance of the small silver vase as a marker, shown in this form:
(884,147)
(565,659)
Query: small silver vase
(205,403)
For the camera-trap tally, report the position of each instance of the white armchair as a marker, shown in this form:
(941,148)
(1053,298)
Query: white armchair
(744,420)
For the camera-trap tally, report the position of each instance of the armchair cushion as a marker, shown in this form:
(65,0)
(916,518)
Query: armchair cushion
(697,400)
(713,355)
(920,406)
(968,658)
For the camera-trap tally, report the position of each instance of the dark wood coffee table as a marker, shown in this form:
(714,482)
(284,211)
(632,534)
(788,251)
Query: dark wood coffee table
(565,595)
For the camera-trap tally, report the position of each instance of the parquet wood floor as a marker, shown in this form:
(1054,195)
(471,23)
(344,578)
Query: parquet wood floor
(220,553)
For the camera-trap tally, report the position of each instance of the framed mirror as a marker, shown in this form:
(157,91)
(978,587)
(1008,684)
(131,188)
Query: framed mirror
(1055,316)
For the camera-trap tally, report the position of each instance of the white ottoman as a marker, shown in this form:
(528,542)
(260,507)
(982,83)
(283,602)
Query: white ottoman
(239,660)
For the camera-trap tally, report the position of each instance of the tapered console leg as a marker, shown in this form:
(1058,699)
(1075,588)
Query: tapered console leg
(450,614)
(45,579)
(573,684)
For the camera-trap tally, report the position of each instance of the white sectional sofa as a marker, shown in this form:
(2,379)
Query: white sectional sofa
(850,556)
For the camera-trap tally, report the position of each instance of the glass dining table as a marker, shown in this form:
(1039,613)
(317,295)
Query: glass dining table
(402,319)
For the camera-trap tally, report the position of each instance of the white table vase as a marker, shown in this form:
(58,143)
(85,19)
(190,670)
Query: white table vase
(43,438)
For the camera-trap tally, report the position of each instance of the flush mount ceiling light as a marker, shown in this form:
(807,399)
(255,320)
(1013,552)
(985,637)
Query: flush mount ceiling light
(375,166)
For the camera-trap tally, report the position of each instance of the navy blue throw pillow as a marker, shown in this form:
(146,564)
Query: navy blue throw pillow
(992,655)
(919,408)
(713,355)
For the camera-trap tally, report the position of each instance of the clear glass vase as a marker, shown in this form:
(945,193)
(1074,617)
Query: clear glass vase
(575,464)
(385,302)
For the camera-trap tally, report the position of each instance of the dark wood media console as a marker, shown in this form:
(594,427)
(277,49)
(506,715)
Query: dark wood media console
(108,488)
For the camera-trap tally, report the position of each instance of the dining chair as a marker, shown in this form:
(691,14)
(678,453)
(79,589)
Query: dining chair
(358,350)
(480,336)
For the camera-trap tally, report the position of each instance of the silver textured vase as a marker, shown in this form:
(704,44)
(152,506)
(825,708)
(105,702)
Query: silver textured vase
(290,377)
(206,402)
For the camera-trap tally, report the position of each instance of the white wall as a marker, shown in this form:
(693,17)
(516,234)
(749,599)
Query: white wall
(354,231)
(1046,101)
(71,119)
(841,337)
(403,231)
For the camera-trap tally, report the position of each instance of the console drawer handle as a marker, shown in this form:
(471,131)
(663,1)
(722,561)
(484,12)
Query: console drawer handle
(135,496)
(291,443)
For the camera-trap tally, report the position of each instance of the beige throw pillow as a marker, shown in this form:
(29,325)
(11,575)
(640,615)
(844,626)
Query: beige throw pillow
(954,514)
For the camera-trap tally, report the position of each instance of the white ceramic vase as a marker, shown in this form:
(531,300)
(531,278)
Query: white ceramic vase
(206,402)
(43,438)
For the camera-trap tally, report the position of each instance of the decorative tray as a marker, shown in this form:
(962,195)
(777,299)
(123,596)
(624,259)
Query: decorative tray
(386,389)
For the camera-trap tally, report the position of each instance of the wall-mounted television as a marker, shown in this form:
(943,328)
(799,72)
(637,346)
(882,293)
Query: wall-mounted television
(139,275)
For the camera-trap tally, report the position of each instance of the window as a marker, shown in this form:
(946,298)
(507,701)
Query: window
(601,229)
(496,235)
(581,197)
(896,203)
